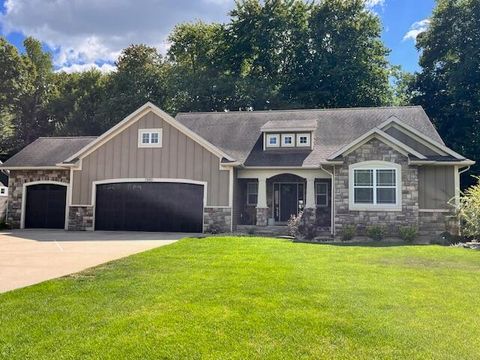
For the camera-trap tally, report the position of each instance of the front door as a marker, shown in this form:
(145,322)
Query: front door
(287,199)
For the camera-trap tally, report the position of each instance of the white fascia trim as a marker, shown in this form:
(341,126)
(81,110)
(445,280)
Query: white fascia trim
(24,199)
(32,168)
(432,144)
(441,163)
(380,135)
(135,116)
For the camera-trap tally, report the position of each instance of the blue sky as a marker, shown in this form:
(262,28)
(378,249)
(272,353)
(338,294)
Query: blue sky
(85,33)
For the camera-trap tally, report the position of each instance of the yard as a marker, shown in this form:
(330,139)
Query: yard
(237,298)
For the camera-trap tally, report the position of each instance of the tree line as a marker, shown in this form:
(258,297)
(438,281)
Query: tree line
(273,54)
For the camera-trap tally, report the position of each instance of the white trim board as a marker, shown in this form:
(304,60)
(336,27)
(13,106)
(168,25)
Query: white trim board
(134,117)
(41,182)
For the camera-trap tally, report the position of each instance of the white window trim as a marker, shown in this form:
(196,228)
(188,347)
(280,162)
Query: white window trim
(150,131)
(308,143)
(284,136)
(326,194)
(250,193)
(375,165)
(267,141)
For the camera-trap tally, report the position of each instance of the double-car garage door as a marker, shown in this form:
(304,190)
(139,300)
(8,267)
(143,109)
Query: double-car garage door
(129,206)
(149,206)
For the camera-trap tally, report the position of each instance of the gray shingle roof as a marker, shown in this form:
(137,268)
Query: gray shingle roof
(48,151)
(276,125)
(239,133)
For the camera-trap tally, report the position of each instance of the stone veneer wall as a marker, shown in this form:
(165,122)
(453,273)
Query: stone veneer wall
(15,192)
(376,150)
(433,223)
(217,218)
(262,216)
(80,218)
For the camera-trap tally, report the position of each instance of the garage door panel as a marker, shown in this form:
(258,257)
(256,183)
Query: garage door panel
(45,206)
(149,207)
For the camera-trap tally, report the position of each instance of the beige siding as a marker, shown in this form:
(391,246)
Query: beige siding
(407,140)
(436,186)
(179,158)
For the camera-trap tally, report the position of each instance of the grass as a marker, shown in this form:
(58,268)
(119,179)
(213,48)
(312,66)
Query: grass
(239,298)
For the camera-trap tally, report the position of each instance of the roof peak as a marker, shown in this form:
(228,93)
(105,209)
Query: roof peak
(236,112)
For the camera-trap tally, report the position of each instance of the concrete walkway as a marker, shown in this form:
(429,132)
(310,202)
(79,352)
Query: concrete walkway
(31,256)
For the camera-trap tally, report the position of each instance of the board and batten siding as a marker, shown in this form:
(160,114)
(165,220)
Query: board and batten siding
(179,158)
(436,187)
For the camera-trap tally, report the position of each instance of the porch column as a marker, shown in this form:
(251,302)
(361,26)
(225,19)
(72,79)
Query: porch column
(262,209)
(310,201)
(310,211)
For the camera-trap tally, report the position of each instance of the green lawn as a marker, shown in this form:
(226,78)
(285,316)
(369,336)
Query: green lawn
(238,298)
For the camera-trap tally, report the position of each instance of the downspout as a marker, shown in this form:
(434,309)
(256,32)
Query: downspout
(332,212)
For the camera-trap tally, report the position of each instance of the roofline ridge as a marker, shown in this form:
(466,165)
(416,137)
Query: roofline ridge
(67,137)
(296,110)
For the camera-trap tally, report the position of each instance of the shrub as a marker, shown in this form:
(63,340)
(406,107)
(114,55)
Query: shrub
(215,229)
(251,231)
(348,232)
(469,211)
(376,232)
(408,233)
(298,227)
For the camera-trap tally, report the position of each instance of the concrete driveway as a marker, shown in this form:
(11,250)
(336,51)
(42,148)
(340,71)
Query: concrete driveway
(31,256)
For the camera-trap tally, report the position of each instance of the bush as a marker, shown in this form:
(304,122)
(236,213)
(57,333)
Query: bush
(348,232)
(299,228)
(376,232)
(469,211)
(215,229)
(408,233)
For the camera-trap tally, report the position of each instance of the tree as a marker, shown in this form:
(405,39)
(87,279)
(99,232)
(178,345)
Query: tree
(140,77)
(448,85)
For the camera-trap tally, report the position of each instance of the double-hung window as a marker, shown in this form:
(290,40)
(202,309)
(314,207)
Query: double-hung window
(321,193)
(252,193)
(150,138)
(375,188)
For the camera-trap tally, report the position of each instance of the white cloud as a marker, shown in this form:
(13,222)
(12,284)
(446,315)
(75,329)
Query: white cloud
(416,28)
(89,31)
(373,3)
(104,68)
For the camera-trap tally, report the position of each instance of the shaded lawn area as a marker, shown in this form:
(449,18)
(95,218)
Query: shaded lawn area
(237,298)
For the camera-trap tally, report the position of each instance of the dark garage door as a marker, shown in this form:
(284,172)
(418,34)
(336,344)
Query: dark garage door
(149,206)
(45,206)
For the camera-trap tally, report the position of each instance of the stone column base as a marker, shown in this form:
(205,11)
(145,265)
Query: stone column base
(80,218)
(262,216)
(217,219)
(310,216)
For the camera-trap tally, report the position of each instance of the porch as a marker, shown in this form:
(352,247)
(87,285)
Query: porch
(268,198)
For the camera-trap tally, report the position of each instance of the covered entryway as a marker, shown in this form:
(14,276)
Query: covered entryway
(45,206)
(149,206)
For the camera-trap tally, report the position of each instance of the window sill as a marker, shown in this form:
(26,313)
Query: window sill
(397,207)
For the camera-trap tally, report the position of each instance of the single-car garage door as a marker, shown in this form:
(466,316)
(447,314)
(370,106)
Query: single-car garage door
(45,206)
(149,206)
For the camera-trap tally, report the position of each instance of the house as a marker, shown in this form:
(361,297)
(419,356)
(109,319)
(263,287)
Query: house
(204,171)
(3,193)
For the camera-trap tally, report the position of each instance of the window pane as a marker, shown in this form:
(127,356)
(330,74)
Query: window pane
(322,189)
(288,139)
(363,196)
(252,199)
(154,138)
(252,188)
(386,196)
(303,139)
(322,200)
(363,177)
(386,177)
(145,138)
(272,140)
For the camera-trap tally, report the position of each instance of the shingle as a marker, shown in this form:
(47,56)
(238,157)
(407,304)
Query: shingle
(48,151)
(238,133)
(279,125)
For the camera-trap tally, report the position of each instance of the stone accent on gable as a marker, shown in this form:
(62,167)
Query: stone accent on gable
(80,218)
(376,150)
(217,219)
(15,192)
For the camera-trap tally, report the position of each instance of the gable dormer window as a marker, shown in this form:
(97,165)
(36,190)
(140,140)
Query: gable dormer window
(273,140)
(150,138)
